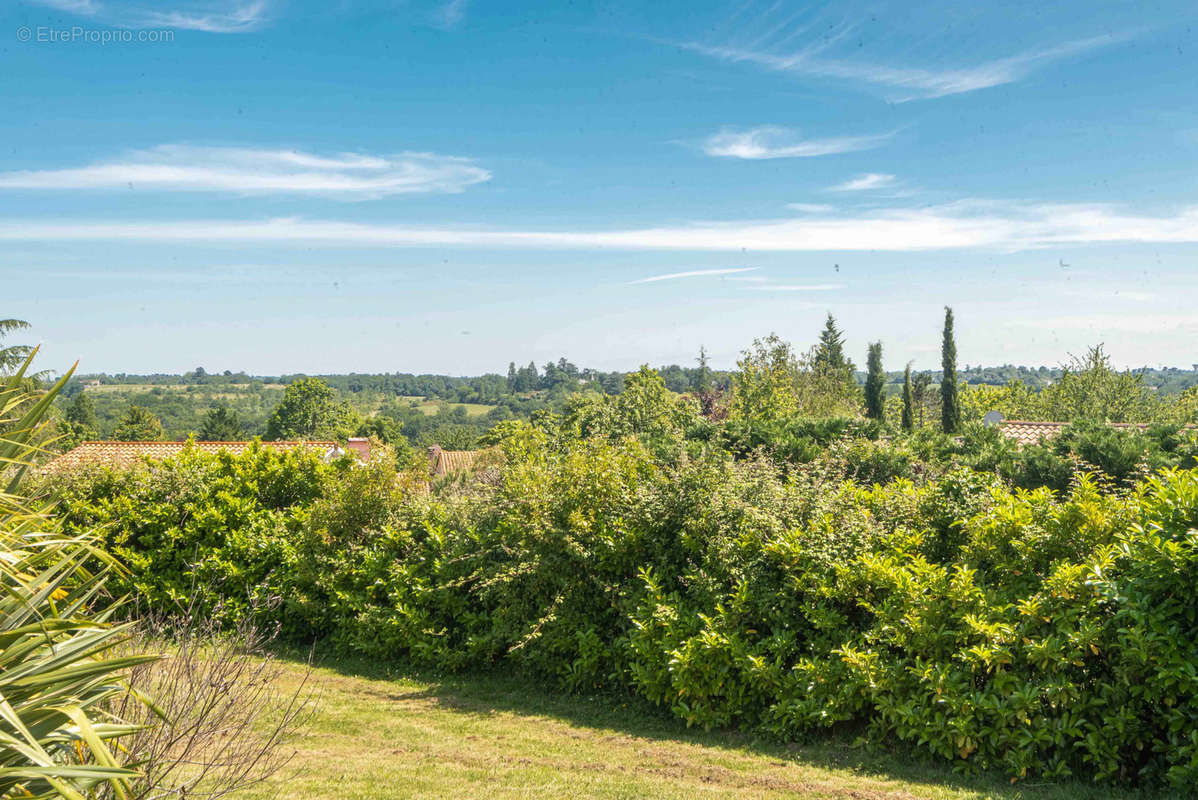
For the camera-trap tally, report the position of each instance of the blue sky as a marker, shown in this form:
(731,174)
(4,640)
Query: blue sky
(284,186)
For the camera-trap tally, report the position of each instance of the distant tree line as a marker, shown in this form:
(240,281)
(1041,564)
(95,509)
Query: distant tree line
(772,381)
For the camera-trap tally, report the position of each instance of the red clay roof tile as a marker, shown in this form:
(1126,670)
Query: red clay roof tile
(126,454)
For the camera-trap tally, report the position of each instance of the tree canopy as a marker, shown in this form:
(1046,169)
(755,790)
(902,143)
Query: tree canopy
(310,410)
(221,424)
(138,425)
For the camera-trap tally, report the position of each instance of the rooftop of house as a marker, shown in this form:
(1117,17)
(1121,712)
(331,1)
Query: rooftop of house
(126,454)
(443,462)
(1031,432)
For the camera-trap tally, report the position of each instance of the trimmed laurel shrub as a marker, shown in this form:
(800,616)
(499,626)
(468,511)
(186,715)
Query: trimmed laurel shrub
(1039,632)
(212,532)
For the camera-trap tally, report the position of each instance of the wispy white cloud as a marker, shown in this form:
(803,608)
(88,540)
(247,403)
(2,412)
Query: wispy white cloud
(1106,294)
(926,228)
(85,7)
(906,83)
(693,274)
(239,17)
(1098,324)
(249,170)
(211,16)
(863,183)
(798,287)
(811,208)
(770,141)
(450,14)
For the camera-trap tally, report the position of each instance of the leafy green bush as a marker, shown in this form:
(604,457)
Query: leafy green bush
(794,439)
(201,522)
(1041,631)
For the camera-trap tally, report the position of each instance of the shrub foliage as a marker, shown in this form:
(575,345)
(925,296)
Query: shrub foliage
(1033,611)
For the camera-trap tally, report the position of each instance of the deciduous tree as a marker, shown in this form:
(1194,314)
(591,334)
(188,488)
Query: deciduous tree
(82,412)
(78,423)
(1091,390)
(764,386)
(310,410)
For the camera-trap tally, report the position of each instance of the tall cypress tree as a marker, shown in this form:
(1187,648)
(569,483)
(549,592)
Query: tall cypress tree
(908,401)
(875,384)
(950,412)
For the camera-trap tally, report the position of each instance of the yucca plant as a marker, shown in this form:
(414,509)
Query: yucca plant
(57,667)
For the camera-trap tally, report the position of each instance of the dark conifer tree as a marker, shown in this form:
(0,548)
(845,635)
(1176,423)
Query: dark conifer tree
(875,384)
(908,401)
(703,379)
(222,424)
(829,353)
(950,412)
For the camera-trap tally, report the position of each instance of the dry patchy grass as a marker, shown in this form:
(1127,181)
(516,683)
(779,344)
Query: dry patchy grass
(429,406)
(378,736)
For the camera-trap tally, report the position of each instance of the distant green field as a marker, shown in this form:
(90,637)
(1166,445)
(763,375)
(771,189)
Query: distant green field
(214,390)
(431,406)
(182,406)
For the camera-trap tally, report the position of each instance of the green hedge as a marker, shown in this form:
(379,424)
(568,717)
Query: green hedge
(212,534)
(1031,631)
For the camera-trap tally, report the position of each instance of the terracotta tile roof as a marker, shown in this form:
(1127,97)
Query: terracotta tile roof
(126,454)
(1028,432)
(443,462)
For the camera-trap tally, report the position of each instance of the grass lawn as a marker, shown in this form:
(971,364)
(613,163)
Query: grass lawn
(378,735)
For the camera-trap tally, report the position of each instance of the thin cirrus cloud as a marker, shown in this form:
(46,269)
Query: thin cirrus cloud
(694,273)
(188,168)
(771,141)
(450,14)
(811,208)
(798,287)
(974,225)
(864,183)
(902,84)
(87,8)
(1155,323)
(210,16)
